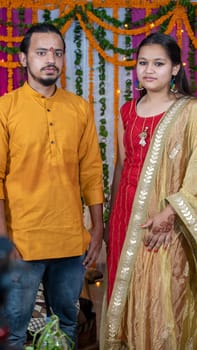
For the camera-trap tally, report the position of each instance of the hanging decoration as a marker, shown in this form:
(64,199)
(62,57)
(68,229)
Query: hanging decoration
(92,18)
(176,12)
(78,57)
(101,33)
(128,44)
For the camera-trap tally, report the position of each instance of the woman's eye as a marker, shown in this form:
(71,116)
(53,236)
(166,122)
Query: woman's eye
(142,63)
(158,64)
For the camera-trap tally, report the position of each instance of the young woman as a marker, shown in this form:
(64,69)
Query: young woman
(151,299)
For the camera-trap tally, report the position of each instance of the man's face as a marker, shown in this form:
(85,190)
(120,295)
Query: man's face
(44,60)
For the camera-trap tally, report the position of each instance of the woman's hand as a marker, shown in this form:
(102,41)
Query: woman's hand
(160,229)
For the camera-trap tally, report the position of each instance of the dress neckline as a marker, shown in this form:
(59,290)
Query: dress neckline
(148,117)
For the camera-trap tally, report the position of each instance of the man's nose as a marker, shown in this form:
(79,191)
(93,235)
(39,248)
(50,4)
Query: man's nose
(51,55)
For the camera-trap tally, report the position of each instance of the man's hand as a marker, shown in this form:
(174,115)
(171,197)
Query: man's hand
(160,229)
(15,255)
(94,247)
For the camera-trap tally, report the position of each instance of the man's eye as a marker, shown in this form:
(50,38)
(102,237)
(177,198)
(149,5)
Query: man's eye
(59,53)
(41,53)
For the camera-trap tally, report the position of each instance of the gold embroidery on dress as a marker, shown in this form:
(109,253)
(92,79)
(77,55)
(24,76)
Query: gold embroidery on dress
(175,150)
(187,213)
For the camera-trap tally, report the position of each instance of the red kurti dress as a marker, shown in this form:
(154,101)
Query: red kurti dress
(135,156)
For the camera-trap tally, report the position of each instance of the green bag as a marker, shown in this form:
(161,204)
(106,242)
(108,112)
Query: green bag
(51,337)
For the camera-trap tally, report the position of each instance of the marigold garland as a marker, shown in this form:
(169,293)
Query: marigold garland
(34,15)
(115,30)
(171,24)
(116,91)
(135,31)
(41,4)
(179,32)
(66,26)
(189,29)
(148,12)
(178,13)
(91,76)
(93,42)
(78,58)
(128,43)
(65,14)
(9,64)
(170,15)
(9,38)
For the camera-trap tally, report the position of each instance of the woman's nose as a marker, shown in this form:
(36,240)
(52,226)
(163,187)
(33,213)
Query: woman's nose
(150,67)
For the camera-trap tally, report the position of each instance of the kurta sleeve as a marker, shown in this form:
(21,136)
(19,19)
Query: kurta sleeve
(3,152)
(90,163)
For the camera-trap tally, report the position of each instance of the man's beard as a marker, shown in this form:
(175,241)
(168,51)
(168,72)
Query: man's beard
(43,81)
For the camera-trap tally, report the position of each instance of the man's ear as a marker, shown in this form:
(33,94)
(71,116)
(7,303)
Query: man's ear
(23,59)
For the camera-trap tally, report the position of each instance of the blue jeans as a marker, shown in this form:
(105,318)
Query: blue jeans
(63,281)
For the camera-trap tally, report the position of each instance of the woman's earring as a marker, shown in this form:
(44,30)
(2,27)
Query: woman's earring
(138,86)
(173,85)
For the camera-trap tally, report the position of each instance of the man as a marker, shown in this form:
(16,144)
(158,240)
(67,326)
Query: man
(49,159)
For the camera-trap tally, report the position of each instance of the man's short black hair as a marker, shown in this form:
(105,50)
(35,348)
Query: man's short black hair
(39,28)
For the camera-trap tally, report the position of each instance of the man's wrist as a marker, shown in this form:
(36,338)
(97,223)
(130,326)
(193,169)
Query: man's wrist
(4,234)
(6,244)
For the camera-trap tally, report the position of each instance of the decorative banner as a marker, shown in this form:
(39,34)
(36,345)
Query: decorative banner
(101,39)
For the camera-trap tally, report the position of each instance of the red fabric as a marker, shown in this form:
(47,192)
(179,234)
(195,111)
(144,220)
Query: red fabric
(135,155)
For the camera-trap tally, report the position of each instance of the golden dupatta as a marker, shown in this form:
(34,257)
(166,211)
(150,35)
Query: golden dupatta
(151,196)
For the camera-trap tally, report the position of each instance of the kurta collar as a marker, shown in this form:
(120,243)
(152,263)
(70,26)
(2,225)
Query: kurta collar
(35,94)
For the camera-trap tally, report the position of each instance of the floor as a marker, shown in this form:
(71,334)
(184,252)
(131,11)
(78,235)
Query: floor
(90,332)
(94,291)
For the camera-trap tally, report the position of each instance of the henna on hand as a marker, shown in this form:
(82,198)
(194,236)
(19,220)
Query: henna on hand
(165,226)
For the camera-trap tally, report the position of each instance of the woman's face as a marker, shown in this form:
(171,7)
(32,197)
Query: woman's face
(154,68)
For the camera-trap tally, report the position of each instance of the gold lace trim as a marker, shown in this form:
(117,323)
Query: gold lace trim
(133,237)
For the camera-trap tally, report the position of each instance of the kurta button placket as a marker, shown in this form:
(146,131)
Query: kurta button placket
(51,135)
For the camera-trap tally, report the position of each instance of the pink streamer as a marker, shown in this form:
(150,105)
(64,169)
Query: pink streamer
(18,75)
(3,56)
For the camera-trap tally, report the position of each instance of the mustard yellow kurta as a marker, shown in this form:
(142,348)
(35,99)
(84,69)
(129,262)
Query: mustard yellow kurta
(154,299)
(49,158)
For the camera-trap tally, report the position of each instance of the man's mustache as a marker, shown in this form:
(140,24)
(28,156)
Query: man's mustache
(50,66)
